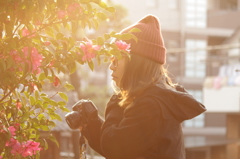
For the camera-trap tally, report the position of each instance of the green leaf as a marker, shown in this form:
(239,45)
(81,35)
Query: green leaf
(127,36)
(56,27)
(45,144)
(134,30)
(45,72)
(106,37)
(44,127)
(59,36)
(41,77)
(72,67)
(111,9)
(102,16)
(26,94)
(102,4)
(55,116)
(53,139)
(68,86)
(95,24)
(49,31)
(100,41)
(51,124)
(62,103)
(41,116)
(91,65)
(32,134)
(32,100)
(113,33)
(63,96)
(25,116)
(49,101)
(64,109)
(36,94)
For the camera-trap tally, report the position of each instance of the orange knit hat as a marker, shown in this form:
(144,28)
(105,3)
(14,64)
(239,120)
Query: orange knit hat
(150,42)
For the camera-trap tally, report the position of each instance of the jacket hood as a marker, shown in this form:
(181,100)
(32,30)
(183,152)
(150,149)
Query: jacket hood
(176,103)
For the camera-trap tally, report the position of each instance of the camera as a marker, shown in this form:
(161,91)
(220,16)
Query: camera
(83,112)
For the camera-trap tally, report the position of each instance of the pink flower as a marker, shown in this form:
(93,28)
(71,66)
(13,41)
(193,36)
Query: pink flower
(16,148)
(30,148)
(122,45)
(12,130)
(18,104)
(47,43)
(56,81)
(31,57)
(15,56)
(73,7)
(25,32)
(32,86)
(11,143)
(35,58)
(61,14)
(89,50)
(38,22)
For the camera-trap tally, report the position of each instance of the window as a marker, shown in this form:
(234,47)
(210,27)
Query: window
(195,60)
(172,4)
(229,4)
(199,120)
(66,146)
(196,12)
(151,3)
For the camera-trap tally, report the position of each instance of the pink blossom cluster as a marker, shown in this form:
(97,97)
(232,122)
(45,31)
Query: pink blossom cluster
(26,32)
(72,9)
(122,45)
(89,50)
(31,56)
(24,149)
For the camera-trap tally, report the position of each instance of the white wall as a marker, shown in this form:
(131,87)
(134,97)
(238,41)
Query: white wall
(224,99)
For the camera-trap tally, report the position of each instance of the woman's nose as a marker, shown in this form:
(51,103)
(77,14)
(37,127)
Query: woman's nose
(111,66)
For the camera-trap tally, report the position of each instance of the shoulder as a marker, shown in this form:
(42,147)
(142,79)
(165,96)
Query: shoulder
(145,104)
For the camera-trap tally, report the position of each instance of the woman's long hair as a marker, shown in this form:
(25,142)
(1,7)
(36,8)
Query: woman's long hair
(140,73)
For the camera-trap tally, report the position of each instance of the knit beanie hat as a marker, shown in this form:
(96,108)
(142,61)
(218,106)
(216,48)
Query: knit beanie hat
(150,43)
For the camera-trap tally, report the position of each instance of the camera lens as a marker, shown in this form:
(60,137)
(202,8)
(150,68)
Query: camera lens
(73,119)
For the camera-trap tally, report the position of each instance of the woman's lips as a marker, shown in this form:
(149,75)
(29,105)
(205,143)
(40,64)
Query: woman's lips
(114,77)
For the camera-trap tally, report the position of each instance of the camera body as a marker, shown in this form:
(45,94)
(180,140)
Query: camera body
(83,112)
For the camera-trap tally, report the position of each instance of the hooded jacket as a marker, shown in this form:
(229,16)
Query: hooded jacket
(148,129)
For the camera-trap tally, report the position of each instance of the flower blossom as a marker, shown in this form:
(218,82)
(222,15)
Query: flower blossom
(25,149)
(31,57)
(35,58)
(122,45)
(89,50)
(56,81)
(30,148)
(26,32)
(61,14)
(74,7)
(18,104)
(47,43)
(12,130)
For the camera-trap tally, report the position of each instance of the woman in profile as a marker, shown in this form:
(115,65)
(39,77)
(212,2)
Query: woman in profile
(143,118)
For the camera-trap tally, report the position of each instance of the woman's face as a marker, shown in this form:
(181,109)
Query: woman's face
(117,67)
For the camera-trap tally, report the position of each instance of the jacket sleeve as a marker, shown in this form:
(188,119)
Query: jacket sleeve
(134,134)
(92,131)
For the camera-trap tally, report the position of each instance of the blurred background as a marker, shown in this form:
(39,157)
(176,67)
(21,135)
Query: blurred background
(203,42)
